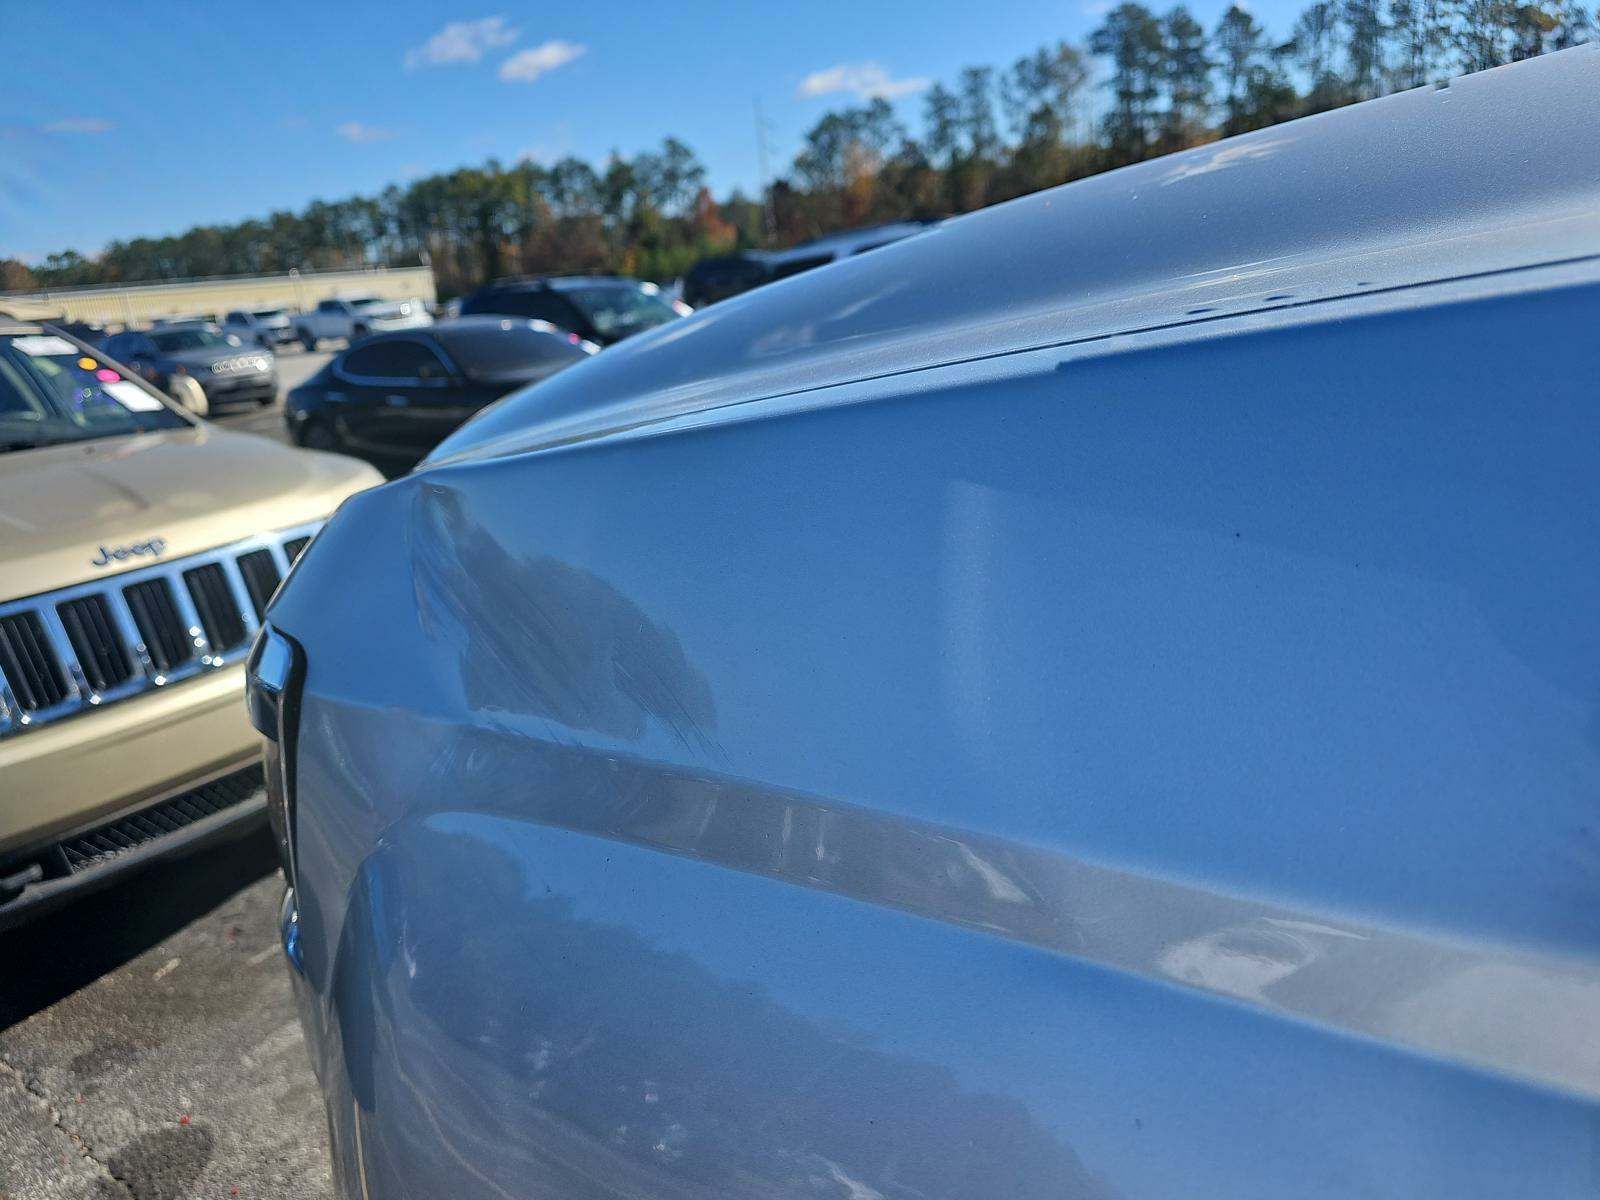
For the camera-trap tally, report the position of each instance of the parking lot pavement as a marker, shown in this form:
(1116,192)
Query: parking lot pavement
(295,366)
(176,1069)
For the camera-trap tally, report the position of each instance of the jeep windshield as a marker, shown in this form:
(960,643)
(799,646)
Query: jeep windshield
(52,392)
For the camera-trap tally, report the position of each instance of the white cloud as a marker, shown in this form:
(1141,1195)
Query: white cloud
(461,42)
(78,125)
(355,131)
(867,80)
(527,65)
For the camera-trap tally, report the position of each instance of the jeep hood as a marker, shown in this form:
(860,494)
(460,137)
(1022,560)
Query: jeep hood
(194,489)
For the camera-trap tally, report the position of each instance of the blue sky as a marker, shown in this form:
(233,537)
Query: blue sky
(118,120)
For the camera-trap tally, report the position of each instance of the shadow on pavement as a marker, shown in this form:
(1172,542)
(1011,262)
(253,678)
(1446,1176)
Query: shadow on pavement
(72,946)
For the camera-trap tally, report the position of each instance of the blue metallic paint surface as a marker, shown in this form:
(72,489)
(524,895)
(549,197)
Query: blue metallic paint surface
(1166,766)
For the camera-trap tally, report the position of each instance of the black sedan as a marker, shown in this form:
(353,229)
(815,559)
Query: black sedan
(393,397)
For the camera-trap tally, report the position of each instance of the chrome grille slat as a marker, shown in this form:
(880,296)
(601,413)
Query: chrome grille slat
(221,615)
(241,596)
(103,658)
(163,629)
(187,612)
(262,572)
(85,646)
(39,684)
(61,650)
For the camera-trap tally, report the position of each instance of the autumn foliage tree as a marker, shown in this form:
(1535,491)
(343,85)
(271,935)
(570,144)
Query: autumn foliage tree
(1144,83)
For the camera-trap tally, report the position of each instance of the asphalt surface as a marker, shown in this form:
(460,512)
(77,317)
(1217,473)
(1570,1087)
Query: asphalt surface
(148,1044)
(295,366)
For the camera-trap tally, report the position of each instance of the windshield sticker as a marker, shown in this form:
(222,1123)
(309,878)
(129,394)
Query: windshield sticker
(107,375)
(132,397)
(87,363)
(43,345)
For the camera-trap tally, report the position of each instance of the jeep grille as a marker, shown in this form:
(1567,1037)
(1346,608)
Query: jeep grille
(86,646)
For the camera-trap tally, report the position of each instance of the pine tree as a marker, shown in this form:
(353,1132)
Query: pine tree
(1365,33)
(1186,73)
(1131,38)
(1240,41)
(1420,31)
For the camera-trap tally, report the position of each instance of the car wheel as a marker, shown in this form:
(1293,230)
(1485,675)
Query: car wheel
(359,332)
(309,342)
(266,401)
(190,394)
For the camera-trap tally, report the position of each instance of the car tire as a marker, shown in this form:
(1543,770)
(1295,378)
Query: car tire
(187,392)
(359,332)
(309,342)
(266,401)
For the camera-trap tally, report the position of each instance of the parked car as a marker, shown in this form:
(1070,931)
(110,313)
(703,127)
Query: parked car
(1098,702)
(602,309)
(355,319)
(393,397)
(226,369)
(138,548)
(269,327)
(713,279)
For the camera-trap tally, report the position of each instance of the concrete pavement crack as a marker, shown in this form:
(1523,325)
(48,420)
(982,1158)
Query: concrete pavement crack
(42,1099)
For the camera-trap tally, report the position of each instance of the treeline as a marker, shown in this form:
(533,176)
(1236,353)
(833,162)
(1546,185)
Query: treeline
(1145,83)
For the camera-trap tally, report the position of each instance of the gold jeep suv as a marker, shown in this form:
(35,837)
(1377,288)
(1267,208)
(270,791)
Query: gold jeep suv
(138,549)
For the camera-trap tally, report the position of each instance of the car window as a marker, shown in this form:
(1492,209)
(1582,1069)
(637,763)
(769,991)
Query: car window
(398,359)
(617,310)
(51,392)
(173,340)
(329,306)
(513,346)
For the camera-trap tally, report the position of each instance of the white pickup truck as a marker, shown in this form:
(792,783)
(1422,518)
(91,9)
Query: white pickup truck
(353,319)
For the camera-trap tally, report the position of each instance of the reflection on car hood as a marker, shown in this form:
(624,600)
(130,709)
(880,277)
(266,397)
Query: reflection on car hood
(1432,184)
(192,488)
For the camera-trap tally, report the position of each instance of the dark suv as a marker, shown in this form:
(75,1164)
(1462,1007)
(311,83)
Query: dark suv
(224,367)
(598,308)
